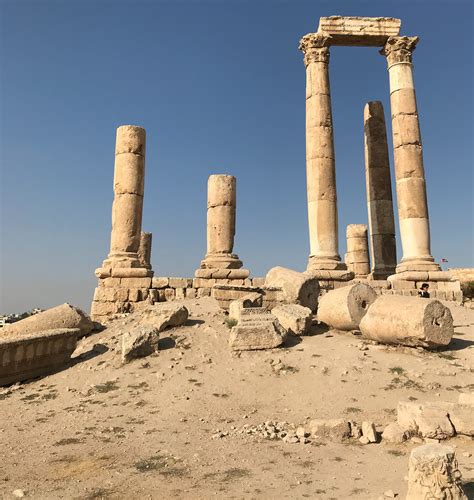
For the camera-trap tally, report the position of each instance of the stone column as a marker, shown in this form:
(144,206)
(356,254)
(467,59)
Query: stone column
(408,155)
(433,473)
(357,257)
(129,178)
(220,262)
(320,158)
(144,250)
(379,193)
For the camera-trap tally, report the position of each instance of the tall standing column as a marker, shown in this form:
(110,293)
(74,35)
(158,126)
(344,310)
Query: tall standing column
(379,193)
(127,207)
(320,158)
(408,156)
(220,261)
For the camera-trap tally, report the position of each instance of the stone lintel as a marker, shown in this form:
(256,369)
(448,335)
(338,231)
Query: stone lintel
(359,31)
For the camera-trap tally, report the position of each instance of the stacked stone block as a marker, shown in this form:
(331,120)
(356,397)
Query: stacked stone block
(357,256)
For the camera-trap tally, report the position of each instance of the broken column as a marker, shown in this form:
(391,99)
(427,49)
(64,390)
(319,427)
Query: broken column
(357,257)
(344,308)
(379,193)
(124,277)
(320,158)
(408,156)
(434,473)
(297,288)
(144,250)
(410,321)
(220,261)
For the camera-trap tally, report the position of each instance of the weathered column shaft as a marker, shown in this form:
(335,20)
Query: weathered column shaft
(221,204)
(379,192)
(220,261)
(408,156)
(127,207)
(144,250)
(320,158)
(357,257)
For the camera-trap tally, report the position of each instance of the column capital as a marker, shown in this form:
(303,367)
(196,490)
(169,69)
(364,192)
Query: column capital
(315,47)
(399,49)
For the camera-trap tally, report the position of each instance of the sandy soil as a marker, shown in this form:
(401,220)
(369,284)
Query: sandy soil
(174,425)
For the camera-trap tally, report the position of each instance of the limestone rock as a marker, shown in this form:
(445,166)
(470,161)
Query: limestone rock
(337,429)
(409,321)
(466,398)
(298,288)
(428,420)
(433,473)
(164,315)
(344,308)
(139,342)
(252,334)
(369,432)
(462,418)
(28,355)
(249,300)
(395,434)
(293,318)
(62,317)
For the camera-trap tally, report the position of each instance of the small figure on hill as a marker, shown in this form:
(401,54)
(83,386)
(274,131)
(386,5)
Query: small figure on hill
(423,292)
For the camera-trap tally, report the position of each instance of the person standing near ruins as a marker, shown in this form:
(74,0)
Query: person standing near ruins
(423,292)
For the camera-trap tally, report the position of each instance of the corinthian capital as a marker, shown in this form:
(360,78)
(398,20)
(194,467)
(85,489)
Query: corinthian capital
(399,49)
(315,47)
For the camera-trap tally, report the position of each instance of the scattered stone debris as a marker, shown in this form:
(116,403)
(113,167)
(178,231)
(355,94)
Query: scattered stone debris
(295,319)
(437,420)
(139,342)
(334,429)
(257,329)
(250,300)
(395,434)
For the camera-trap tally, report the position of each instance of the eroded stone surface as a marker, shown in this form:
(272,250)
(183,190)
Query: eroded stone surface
(344,308)
(26,355)
(139,341)
(410,321)
(298,288)
(295,319)
(64,316)
(434,473)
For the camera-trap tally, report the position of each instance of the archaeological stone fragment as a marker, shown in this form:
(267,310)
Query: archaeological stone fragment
(344,308)
(410,321)
(295,319)
(64,316)
(298,288)
(434,474)
(257,329)
(139,341)
(29,354)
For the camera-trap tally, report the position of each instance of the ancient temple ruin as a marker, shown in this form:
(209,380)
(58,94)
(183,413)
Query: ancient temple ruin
(320,157)
(126,277)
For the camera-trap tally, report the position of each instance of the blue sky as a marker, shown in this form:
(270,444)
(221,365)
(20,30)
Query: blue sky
(220,87)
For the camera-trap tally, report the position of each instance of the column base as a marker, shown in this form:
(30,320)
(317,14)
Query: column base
(123,265)
(221,261)
(316,263)
(421,276)
(381,274)
(331,275)
(420,264)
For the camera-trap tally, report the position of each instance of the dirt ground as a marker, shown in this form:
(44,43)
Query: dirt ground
(177,424)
